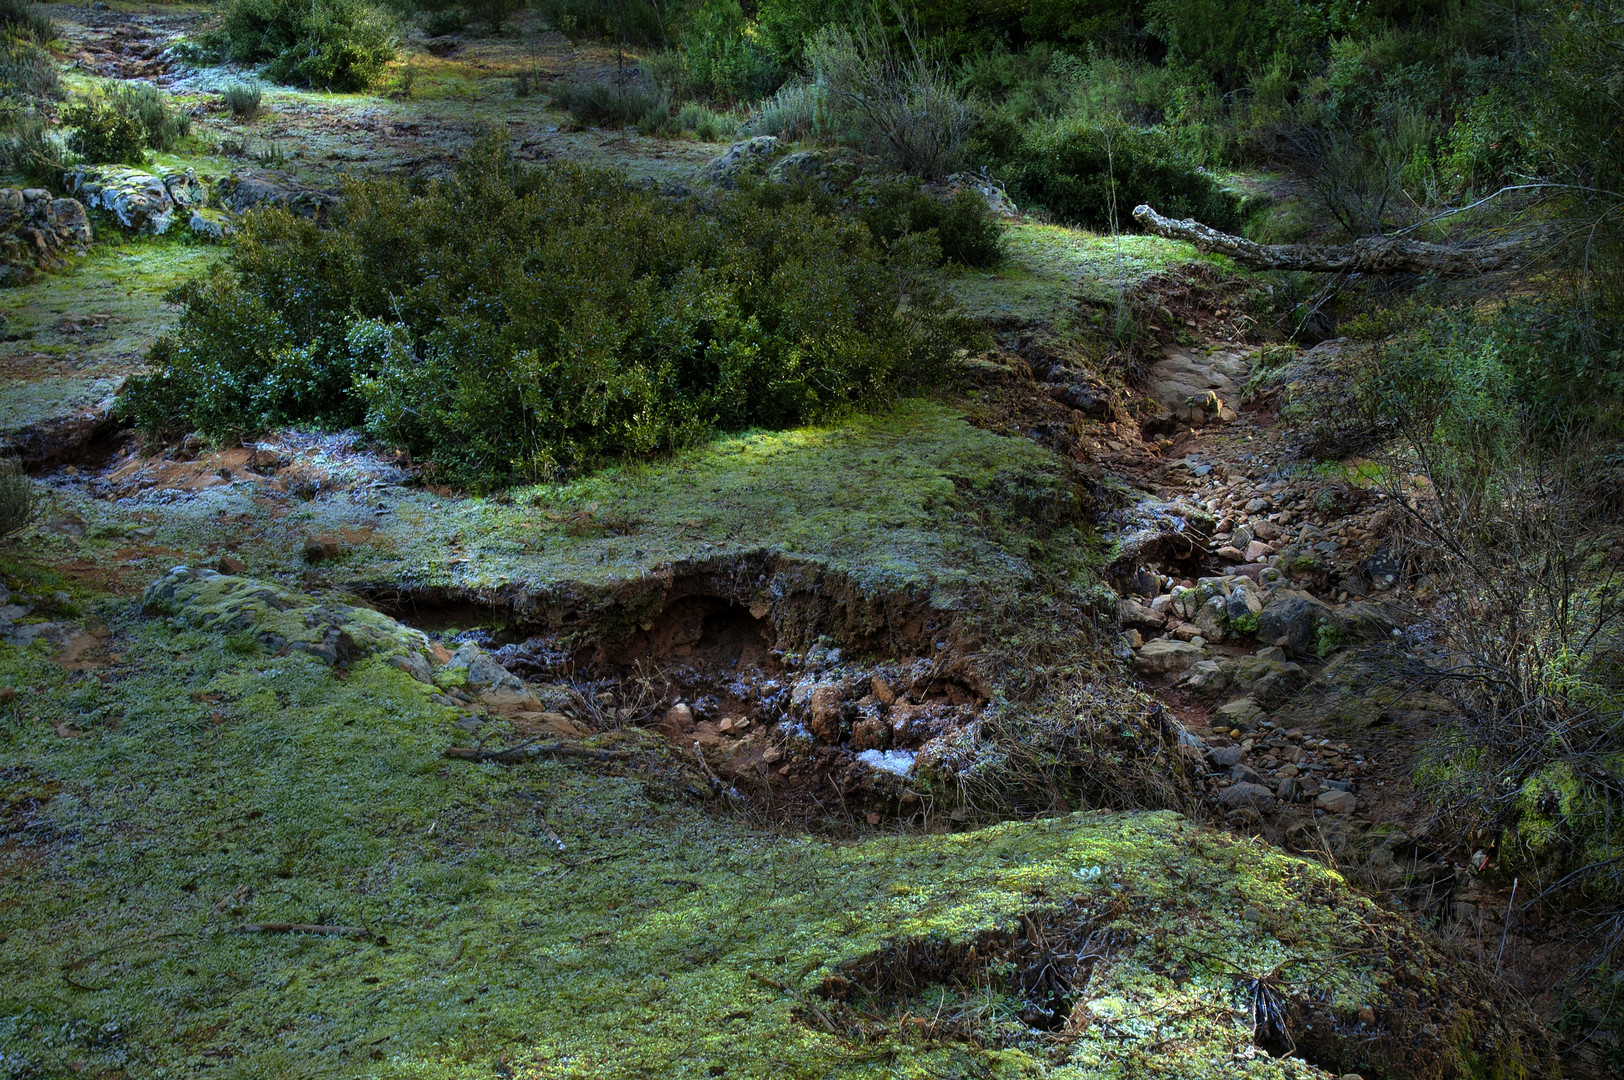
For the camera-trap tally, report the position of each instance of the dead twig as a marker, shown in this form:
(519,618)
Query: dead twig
(513,755)
(303,928)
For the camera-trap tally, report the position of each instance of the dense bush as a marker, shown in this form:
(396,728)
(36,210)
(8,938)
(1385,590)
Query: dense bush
(327,44)
(29,149)
(892,99)
(897,207)
(637,22)
(1095,174)
(25,22)
(119,123)
(723,59)
(508,322)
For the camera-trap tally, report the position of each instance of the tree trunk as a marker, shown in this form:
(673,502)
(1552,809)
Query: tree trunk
(1371,255)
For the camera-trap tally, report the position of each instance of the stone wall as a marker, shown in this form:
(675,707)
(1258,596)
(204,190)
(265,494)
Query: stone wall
(38,232)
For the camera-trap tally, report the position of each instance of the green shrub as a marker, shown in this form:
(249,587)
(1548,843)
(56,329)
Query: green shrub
(24,22)
(1079,172)
(638,22)
(28,149)
(339,45)
(723,58)
(798,110)
(19,503)
(572,318)
(893,100)
(121,122)
(605,104)
(450,20)
(243,99)
(704,123)
(494,13)
(27,71)
(964,229)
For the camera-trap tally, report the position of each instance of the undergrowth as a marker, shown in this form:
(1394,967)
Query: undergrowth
(577,318)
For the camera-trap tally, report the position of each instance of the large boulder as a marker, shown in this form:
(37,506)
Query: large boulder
(1296,620)
(139,199)
(1166,656)
(240,194)
(37,232)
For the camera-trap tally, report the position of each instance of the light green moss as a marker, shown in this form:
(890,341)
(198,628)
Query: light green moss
(210,789)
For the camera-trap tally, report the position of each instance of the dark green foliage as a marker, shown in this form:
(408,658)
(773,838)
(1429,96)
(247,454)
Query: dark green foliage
(327,44)
(25,22)
(898,207)
(120,123)
(28,150)
(637,22)
(1082,172)
(494,13)
(722,61)
(509,322)
(605,104)
(451,20)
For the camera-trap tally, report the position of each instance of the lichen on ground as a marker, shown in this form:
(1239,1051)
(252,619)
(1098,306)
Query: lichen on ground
(204,787)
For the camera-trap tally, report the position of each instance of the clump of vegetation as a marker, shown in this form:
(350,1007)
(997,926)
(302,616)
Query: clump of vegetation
(339,45)
(1095,174)
(898,206)
(24,22)
(612,104)
(895,101)
(120,123)
(574,318)
(243,99)
(19,503)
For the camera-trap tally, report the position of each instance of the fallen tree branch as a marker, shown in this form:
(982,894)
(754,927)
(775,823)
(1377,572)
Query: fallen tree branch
(1370,255)
(525,751)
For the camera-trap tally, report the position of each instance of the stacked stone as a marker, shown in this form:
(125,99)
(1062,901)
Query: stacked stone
(38,232)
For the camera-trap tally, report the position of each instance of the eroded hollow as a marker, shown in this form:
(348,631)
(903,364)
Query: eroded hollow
(800,691)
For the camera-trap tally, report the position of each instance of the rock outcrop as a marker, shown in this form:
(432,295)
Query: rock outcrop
(38,232)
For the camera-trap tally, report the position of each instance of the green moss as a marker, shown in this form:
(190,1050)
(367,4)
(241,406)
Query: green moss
(1047,268)
(211,789)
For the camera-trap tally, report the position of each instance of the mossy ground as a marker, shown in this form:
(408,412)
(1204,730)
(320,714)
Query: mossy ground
(193,786)
(1048,268)
(909,498)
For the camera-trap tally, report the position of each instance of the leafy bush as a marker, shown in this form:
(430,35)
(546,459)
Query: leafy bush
(723,58)
(451,20)
(22,21)
(704,123)
(963,228)
(494,13)
(122,122)
(243,99)
(508,322)
(1081,172)
(27,71)
(327,44)
(19,504)
(28,148)
(638,22)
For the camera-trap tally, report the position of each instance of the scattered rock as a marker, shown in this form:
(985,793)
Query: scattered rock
(230,564)
(321,548)
(1247,794)
(1337,802)
(1166,656)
